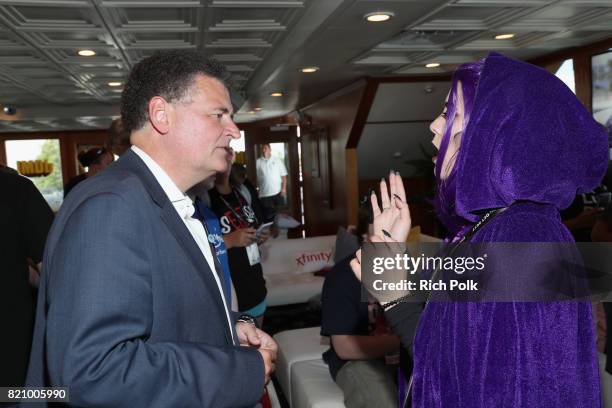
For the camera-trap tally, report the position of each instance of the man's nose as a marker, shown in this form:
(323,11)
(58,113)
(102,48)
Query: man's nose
(233,130)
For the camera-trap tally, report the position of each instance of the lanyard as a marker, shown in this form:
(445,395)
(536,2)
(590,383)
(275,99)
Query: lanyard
(479,224)
(482,221)
(241,202)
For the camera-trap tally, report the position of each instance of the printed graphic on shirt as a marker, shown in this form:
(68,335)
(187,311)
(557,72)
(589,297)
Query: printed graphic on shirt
(231,222)
(216,240)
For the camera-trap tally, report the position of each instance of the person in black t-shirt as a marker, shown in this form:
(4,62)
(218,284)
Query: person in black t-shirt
(579,219)
(25,219)
(359,358)
(239,220)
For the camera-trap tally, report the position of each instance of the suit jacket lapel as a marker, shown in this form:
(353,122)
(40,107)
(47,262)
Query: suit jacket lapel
(180,232)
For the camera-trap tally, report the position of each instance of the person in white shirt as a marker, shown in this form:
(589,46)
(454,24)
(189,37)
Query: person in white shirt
(272,182)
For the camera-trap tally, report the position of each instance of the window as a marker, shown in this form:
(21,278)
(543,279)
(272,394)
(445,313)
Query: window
(566,73)
(238,144)
(40,161)
(601,76)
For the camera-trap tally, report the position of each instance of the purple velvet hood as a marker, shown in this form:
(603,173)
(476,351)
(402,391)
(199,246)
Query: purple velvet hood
(528,138)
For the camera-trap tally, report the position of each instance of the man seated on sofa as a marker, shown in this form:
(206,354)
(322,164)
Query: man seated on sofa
(363,354)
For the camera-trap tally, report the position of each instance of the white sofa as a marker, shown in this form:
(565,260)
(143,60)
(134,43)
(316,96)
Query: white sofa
(606,382)
(313,386)
(301,372)
(288,266)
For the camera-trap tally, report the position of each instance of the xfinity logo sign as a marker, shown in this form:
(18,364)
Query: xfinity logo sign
(323,256)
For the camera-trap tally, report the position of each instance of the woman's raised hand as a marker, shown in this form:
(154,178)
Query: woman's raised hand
(392,221)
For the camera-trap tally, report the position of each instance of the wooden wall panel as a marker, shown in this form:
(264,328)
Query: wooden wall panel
(352,186)
(337,115)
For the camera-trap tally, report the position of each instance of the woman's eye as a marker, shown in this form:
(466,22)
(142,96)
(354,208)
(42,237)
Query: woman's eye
(443,114)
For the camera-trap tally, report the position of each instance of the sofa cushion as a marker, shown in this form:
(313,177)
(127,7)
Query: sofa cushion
(295,346)
(313,387)
(287,289)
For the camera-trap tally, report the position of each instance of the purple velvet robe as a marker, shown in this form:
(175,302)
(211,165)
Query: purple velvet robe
(532,146)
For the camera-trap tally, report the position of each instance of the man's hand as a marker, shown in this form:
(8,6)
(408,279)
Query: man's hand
(284,186)
(34,272)
(263,236)
(251,336)
(269,359)
(268,349)
(240,238)
(247,334)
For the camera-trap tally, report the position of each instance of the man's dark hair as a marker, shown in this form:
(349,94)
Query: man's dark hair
(168,74)
(117,135)
(238,174)
(91,156)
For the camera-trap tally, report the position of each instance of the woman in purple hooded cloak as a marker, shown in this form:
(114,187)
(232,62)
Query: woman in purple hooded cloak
(512,136)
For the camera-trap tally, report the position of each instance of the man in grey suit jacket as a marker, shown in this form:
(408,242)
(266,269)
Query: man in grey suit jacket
(131,311)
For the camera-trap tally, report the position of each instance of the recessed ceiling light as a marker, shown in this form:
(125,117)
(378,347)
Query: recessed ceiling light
(252,112)
(432,65)
(257,109)
(504,36)
(114,84)
(378,16)
(276,94)
(87,53)
(309,70)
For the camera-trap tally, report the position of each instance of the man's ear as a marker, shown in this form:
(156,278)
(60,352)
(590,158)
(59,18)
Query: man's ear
(159,111)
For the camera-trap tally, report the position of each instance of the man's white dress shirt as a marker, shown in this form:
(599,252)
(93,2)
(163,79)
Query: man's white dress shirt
(185,209)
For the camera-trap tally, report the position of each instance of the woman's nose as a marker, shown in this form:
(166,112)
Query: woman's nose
(436,128)
(437,125)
